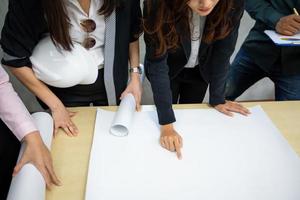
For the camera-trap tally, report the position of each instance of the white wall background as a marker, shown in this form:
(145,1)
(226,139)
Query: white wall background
(262,90)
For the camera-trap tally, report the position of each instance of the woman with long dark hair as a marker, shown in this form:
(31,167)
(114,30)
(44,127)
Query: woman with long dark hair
(188,47)
(107,29)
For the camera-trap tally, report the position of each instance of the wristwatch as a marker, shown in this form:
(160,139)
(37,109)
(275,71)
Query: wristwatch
(136,69)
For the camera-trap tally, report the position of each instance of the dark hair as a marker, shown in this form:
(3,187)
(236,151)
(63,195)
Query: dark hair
(163,17)
(59,23)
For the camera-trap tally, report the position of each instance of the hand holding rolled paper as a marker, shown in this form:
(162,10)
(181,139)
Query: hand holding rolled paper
(28,183)
(123,117)
(38,154)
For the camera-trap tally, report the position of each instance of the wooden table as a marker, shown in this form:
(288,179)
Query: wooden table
(71,155)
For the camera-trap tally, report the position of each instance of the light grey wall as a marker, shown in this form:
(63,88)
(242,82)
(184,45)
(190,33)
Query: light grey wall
(3,9)
(260,91)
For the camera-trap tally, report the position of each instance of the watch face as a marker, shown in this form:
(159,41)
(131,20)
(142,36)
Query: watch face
(136,70)
(140,70)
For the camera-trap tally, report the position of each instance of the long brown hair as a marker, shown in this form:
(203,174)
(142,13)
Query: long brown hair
(59,23)
(162,18)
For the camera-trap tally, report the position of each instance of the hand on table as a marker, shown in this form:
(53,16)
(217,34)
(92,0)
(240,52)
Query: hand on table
(62,119)
(38,154)
(230,107)
(288,25)
(171,140)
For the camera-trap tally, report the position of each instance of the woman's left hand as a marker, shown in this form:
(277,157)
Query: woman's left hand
(229,107)
(135,88)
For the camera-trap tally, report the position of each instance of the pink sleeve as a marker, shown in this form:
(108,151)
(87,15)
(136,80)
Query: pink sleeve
(12,110)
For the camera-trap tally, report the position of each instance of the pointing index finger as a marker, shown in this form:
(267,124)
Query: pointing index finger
(178,149)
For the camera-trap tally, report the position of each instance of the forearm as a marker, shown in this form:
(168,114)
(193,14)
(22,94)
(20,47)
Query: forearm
(263,11)
(37,87)
(134,53)
(222,52)
(33,137)
(157,73)
(12,110)
(134,57)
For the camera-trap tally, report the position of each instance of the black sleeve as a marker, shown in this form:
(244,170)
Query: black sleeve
(157,71)
(262,10)
(23,27)
(135,21)
(221,54)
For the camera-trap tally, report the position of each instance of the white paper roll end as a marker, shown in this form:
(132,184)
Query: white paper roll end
(29,184)
(123,117)
(119,130)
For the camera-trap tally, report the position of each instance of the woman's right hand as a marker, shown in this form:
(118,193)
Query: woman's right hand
(171,140)
(36,153)
(62,119)
(61,116)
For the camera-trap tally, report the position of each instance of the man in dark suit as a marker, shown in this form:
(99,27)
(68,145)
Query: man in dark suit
(259,57)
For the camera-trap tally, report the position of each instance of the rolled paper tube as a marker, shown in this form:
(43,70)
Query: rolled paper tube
(29,184)
(123,117)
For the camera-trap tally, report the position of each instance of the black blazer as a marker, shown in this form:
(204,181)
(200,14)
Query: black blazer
(214,61)
(25,26)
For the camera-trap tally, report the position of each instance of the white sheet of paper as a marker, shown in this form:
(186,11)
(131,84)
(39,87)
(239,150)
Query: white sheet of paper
(239,158)
(29,184)
(123,117)
(283,39)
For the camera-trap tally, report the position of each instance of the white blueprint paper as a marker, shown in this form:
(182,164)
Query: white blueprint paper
(29,184)
(239,158)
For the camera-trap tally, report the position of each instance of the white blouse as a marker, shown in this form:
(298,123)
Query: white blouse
(78,35)
(197,27)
